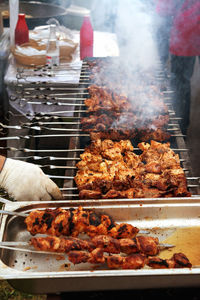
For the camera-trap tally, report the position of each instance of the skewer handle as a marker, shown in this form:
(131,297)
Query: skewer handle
(5,201)
(13,213)
(28,250)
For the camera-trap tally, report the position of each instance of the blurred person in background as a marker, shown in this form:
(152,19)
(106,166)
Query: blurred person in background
(184,47)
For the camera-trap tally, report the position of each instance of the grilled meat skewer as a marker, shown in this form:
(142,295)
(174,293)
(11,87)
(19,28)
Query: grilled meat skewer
(72,222)
(116,116)
(109,169)
(140,244)
(132,261)
(178,260)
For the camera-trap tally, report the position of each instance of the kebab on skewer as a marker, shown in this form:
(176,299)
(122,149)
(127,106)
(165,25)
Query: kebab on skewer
(114,115)
(141,244)
(118,126)
(143,135)
(132,261)
(139,251)
(73,222)
(111,169)
(104,99)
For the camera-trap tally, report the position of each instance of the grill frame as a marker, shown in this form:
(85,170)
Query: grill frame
(42,90)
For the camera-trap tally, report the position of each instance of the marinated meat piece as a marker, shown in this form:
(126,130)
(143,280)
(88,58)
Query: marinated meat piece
(178,260)
(117,172)
(94,257)
(133,261)
(61,245)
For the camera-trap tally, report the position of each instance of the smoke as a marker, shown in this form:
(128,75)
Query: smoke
(135,32)
(133,73)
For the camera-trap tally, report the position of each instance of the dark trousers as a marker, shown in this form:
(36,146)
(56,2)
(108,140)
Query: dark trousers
(162,38)
(181,72)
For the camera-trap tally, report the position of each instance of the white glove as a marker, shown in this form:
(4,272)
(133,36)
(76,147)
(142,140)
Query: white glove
(26,182)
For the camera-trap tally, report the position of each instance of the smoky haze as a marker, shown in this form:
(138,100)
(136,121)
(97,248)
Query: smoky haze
(135,30)
(134,72)
(134,22)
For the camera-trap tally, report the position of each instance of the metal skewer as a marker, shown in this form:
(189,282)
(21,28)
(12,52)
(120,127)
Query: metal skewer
(47,157)
(28,94)
(57,167)
(13,213)
(15,246)
(51,103)
(47,97)
(27,137)
(67,150)
(41,150)
(50,88)
(43,116)
(40,128)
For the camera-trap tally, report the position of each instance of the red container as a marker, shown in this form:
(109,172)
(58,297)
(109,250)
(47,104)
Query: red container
(21,31)
(86,39)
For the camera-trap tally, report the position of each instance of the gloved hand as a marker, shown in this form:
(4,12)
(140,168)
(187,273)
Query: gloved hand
(26,182)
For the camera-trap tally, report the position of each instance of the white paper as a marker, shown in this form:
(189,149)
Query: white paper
(14,11)
(29,51)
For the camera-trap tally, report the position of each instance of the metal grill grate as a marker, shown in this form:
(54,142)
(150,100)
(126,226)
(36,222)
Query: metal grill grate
(46,129)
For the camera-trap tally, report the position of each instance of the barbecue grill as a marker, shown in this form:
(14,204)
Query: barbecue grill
(53,126)
(59,163)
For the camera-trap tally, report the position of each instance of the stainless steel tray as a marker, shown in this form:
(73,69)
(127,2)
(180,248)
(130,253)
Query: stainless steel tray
(40,273)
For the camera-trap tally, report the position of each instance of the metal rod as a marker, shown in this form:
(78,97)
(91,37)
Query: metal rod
(193,185)
(27,137)
(41,150)
(28,250)
(69,150)
(13,213)
(22,244)
(69,189)
(71,195)
(51,103)
(57,94)
(47,97)
(4,201)
(14,244)
(53,88)
(61,177)
(61,112)
(44,117)
(38,128)
(57,167)
(46,157)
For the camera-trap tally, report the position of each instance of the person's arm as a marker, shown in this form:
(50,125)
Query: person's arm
(26,182)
